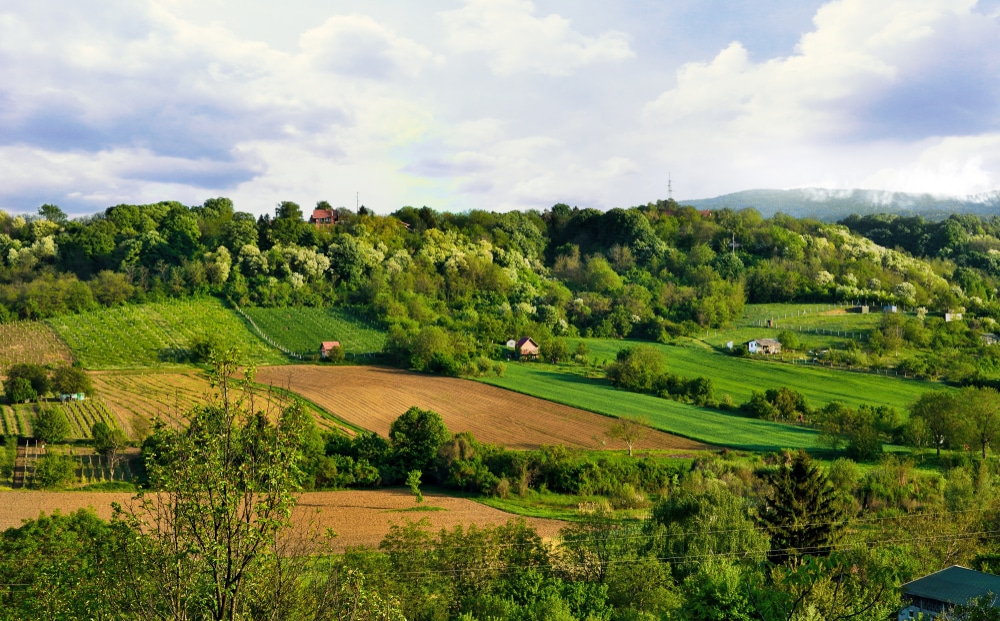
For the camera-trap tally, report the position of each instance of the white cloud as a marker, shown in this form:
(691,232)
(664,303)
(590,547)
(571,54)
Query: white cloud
(516,40)
(359,46)
(954,166)
(854,49)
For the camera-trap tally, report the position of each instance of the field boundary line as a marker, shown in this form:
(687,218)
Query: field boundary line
(328,415)
(264,336)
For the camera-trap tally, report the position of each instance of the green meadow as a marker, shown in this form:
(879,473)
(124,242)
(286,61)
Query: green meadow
(565,385)
(739,376)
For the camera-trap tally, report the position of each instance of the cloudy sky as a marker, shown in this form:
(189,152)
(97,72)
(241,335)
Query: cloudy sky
(491,104)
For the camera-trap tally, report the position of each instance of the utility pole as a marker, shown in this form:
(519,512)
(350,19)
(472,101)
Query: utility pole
(670,188)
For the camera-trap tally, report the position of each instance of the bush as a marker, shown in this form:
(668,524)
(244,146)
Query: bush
(35,374)
(54,470)
(19,390)
(51,425)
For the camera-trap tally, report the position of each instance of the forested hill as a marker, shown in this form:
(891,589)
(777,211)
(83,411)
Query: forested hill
(448,287)
(832,205)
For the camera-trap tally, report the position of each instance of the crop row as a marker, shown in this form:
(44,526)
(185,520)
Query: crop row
(300,330)
(155,334)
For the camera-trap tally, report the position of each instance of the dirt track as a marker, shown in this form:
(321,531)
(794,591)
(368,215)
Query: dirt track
(357,517)
(373,397)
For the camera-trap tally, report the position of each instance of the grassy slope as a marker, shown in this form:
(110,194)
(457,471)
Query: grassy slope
(146,335)
(564,386)
(301,329)
(738,377)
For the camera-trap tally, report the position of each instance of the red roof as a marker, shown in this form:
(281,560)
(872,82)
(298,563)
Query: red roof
(329,345)
(525,340)
(320,214)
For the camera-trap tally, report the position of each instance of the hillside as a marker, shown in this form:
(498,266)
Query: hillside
(832,205)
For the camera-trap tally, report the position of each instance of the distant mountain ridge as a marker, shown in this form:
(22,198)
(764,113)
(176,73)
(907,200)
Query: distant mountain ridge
(832,205)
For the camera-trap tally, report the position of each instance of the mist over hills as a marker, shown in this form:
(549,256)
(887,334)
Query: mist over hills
(832,205)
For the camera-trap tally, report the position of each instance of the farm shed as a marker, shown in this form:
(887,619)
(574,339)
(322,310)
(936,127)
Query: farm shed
(764,346)
(526,347)
(890,308)
(949,317)
(326,347)
(989,338)
(862,309)
(928,597)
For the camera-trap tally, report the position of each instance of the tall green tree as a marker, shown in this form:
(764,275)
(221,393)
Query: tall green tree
(222,493)
(416,437)
(799,510)
(940,412)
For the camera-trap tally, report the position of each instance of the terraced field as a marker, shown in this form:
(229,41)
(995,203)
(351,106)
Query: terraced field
(156,334)
(302,329)
(168,396)
(31,341)
(373,397)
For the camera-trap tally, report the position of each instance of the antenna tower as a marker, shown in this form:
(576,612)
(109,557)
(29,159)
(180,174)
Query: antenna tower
(670,188)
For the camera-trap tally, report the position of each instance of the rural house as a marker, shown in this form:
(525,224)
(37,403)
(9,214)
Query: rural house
(326,348)
(764,346)
(928,597)
(526,347)
(323,217)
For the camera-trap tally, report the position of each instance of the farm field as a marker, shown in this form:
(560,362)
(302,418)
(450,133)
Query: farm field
(738,377)
(81,416)
(165,395)
(358,517)
(301,329)
(373,397)
(151,395)
(31,341)
(568,386)
(156,334)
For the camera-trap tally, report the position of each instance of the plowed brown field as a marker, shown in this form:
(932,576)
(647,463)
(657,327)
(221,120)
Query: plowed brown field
(373,397)
(358,517)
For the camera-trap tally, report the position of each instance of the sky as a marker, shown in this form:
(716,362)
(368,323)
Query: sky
(491,104)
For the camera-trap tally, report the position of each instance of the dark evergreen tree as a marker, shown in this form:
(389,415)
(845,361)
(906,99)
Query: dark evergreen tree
(799,511)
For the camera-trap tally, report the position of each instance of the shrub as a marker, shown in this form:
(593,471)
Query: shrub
(51,425)
(54,470)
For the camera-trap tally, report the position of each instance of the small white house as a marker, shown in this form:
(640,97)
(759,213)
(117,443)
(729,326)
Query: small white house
(949,317)
(764,346)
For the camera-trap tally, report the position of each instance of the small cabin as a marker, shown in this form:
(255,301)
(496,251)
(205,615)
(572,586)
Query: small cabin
(764,346)
(326,348)
(72,396)
(862,309)
(949,317)
(526,347)
(890,308)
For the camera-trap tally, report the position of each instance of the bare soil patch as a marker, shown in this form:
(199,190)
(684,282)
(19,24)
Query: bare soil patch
(373,397)
(358,517)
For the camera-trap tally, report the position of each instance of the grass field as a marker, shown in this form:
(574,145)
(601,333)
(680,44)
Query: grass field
(155,335)
(563,385)
(302,329)
(31,341)
(738,377)
(373,397)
